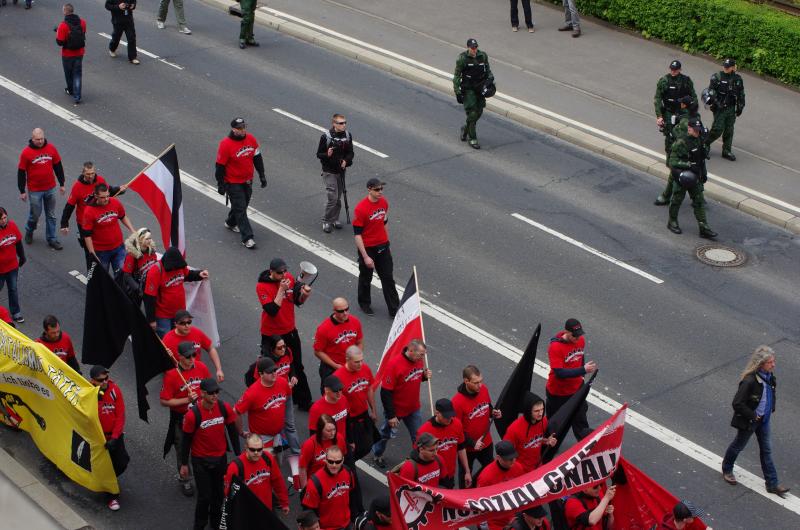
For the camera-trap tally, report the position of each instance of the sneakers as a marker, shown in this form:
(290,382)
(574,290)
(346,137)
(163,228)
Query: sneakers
(187,488)
(112,53)
(249,243)
(338,225)
(135,61)
(366,309)
(159,24)
(19,319)
(185,31)
(514,29)
(231,228)
(55,245)
(28,237)
(778,490)
(113,505)
(379,462)
(531,30)
(327,227)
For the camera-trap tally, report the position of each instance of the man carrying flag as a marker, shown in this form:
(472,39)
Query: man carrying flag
(101,233)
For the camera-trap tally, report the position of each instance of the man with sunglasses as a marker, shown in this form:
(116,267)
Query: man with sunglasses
(204,427)
(335,152)
(111,411)
(185,332)
(334,335)
(181,388)
(331,403)
(372,243)
(591,509)
(260,472)
(328,492)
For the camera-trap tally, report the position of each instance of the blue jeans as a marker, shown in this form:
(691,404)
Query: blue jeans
(73,74)
(412,423)
(289,431)
(761,430)
(43,200)
(163,326)
(10,278)
(113,258)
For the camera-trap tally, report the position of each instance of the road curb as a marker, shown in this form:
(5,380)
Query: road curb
(500,105)
(40,494)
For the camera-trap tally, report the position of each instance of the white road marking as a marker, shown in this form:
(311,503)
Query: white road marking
(530,106)
(79,276)
(323,129)
(490,342)
(145,52)
(588,249)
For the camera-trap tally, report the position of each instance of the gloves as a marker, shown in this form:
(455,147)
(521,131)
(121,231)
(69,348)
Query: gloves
(739,111)
(460,97)
(112,444)
(263,181)
(22,262)
(221,188)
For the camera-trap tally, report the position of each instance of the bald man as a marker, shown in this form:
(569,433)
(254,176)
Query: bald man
(334,335)
(39,167)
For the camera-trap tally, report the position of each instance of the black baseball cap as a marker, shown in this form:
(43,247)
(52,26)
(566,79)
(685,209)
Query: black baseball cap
(375,183)
(696,124)
(266,365)
(238,123)
(675,65)
(209,385)
(574,326)
(536,511)
(97,370)
(181,314)
(472,43)
(186,349)
(333,382)
(277,265)
(685,509)
(445,407)
(728,62)
(505,449)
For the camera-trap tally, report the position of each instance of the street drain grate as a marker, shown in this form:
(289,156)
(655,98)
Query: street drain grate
(720,256)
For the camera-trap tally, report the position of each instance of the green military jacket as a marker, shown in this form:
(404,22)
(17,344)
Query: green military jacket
(471,71)
(729,89)
(680,129)
(669,90)
(686,151)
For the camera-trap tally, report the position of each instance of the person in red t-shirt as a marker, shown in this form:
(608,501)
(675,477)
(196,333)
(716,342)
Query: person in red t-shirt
(400,396)
(71,36)
(450,433)
(140,255)
(276,349)
(12,257)
(181,388)
(279,293)
(503,468)
(184,331)
(528,433)
(590,509)
(356,377)
(37,163)
(237,155)
(372,243)
(334,335)
(58,342)
(331,403)
(567,368)
(259,471)
(111,412)
(475,410)
(423,465)
(683,516)
(328,492)
(204,427)
(101,233)
(531,519)
(312,453)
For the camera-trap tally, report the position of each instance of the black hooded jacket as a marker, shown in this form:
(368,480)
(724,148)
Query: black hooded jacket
(170,261)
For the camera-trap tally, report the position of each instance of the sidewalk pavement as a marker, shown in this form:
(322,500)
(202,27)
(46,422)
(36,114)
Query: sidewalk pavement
(596,91)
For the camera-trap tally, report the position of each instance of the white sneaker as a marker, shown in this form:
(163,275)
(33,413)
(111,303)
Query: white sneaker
(113,505)
(233,228)
(185,31)
(159,24)
(249,244)
(112,54)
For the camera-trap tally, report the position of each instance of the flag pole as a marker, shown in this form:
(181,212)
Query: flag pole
(422,327)
(148,166)
(174,359)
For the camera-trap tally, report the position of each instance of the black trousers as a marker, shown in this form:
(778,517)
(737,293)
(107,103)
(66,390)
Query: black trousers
(301,393)
(384,266)
(239,195)
(124,25)
(580,425)
(526,9)
(484,457)
(209,474)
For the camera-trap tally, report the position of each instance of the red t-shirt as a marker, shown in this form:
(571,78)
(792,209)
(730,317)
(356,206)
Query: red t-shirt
(196,336)
(337,411)
(283,322)
(573,509)
(38,166)
(167,287)
(475,413)
(138,267)
(262,477)
(564,355)
(334,337)
(61,347)
(371,217)
(494,474)
(265,406)
(79,193)
(450,437)
(111,410)
(103,223)
(356,387)
(9,237)
(427,473)
(173,386)
(404,379)
(527,440)
(209,440)
(312,453)
(237,157)
(333,502)
(61,35)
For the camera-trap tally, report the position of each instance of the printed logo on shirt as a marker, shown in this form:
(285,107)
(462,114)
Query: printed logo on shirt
(212,422)
(62,353)
(283,369)
(108,408)
(257,477)
(573,355)
(275,402)
(9,240)
(479,411)
(427,477)
(413,375)
(342,414)
(377,214)
(339,489)
(445,444)
(533,442)
(145,266)
(246,152)
(192,382)
(359,385)
(174,280)
(345,337)
(107,217)
(42,159)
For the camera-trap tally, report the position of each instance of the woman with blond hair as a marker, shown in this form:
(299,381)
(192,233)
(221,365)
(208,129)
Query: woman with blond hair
(753,406)
(140,256)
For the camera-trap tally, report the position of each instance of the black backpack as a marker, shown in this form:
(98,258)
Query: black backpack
(76,38)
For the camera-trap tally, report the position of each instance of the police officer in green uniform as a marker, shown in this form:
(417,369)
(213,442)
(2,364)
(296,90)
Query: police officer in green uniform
(689,111)
(669,89)
(687,160)
(246,37)
(472,71)
(728,104)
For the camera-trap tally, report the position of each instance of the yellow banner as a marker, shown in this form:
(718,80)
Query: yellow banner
(40,394)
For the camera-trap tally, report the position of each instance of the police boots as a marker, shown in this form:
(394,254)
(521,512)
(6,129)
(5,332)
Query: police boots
(463,133)
(673,227)
(706,232)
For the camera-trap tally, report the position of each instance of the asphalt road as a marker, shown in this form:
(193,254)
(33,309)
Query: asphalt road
(672,350)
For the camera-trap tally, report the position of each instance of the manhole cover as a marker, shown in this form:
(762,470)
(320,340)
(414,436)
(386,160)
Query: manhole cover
(720,256)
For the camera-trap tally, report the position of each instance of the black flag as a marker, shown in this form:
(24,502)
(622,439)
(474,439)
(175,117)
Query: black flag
(519,384)
(242,510)
(561,422)
(109,318)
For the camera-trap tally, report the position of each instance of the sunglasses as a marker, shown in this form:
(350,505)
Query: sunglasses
(184,323)
(345,310)
(255,449)
(281,347)
(334,462)
(283,271)
(379,188)
(214,393)
(340,122)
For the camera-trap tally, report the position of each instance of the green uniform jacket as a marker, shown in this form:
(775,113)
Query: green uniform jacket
(682,150)
(471,71)
(668,90)
(729,89)
(680,129)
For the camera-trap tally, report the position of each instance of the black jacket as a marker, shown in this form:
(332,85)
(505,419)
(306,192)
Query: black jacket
(342,143)
(746,400)
(118,14)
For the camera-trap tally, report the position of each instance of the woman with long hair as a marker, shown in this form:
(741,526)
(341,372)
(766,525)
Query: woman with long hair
(312,453)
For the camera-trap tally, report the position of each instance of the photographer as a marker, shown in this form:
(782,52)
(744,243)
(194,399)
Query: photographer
(122,21)
(335,152)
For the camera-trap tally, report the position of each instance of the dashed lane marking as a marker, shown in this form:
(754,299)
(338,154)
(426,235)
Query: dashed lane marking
(145,52)
(323,129)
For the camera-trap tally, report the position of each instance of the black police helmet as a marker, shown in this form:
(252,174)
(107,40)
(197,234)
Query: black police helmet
(489,89)
(687,179)
(708,97)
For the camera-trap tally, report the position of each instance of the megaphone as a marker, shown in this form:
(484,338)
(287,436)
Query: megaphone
(308,273)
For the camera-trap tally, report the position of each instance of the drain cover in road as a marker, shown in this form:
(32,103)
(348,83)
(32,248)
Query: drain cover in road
(720,255)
